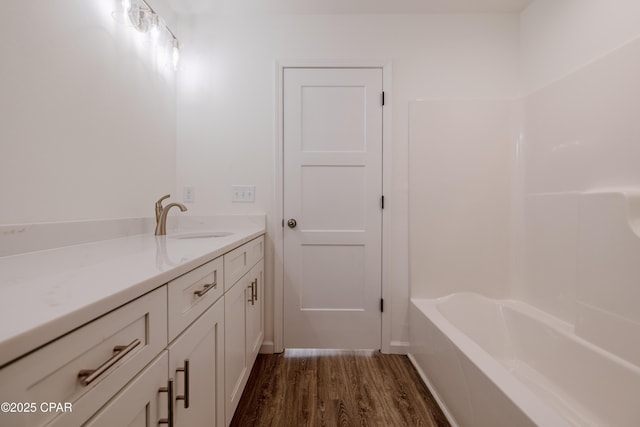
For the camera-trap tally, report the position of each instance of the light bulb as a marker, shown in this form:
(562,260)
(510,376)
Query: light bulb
(124,13)
(140,16)
(162,55)
(155,27)
(175,55)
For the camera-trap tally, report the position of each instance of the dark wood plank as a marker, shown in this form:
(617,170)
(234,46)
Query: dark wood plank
(336,388)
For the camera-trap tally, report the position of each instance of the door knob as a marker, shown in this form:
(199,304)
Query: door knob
(292,223)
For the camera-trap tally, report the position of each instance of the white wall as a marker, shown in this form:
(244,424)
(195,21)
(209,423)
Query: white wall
(88,118)
(581,62)
(226,99)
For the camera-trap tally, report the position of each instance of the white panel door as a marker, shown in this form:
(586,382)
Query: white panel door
(332,190)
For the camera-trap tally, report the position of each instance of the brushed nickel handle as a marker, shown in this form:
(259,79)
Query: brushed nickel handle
(251,297)
(292,223)
(185,396)
(87,376)
(254,290)
(168,389)
(206,289)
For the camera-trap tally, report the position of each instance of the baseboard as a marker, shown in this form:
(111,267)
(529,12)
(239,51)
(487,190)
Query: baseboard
(267,347)
(399,347)
(444,408)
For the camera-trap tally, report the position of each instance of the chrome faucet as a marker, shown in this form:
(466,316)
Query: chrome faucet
(161,215)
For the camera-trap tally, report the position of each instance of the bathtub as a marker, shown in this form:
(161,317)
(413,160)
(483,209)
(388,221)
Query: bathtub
(504,363)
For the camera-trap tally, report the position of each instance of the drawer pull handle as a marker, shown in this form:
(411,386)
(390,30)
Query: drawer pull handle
(168,389)
(185,396)
(251,300)
(254,290)
(207,287)
(87,376)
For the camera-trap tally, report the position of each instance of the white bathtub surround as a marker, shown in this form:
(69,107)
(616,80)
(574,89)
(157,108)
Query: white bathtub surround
(580,162)
(46,293)
(581,131)
(506,363)
(549,254)
(574,242)
(608,294)
(558,37)
(460,168)
(580,356)
(581,95)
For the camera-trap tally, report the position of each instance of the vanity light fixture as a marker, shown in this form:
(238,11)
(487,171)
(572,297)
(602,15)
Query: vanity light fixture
(145,20)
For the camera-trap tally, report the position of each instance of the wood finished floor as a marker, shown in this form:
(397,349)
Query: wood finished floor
(336,388)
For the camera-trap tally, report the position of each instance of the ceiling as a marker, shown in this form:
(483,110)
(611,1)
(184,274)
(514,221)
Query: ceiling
(349,6)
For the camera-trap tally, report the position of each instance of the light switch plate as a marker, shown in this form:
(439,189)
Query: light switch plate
(243,193)
(188,194)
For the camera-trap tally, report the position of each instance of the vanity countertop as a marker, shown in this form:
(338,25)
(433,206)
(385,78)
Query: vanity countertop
(48,293)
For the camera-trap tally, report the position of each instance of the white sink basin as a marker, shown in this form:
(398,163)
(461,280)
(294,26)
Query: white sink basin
(200,234)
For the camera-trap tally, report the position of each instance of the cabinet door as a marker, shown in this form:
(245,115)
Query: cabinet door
(255,312)
(236,367)
(196,362)
(140,403)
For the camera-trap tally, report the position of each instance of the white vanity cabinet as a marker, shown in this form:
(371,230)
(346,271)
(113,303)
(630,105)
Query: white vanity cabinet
(244,318)
(170,356)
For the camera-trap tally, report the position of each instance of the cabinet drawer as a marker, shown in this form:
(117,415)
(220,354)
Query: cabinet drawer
(192,293)
(52,374)
(240,260)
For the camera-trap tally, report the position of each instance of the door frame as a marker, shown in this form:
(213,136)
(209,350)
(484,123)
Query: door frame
(278,194)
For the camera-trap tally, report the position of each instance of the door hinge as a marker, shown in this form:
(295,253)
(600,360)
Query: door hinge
(381,202)
(383,99)
(381,305)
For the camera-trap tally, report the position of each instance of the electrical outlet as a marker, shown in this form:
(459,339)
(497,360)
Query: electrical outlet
(188,194)
(243,193)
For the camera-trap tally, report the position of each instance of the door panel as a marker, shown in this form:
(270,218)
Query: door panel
(332,188)
(320,107)
(329,271)
(332,197)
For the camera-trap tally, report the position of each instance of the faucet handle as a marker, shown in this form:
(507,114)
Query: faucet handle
(163,197)
(159,206)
